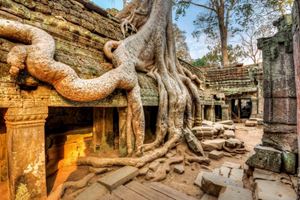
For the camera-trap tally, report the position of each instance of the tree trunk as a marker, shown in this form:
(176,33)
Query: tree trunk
(151,50)
(223,34)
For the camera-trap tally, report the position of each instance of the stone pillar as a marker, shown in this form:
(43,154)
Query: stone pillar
(254,110)
(26,152)
(280,104)
(212,113)
(122,131)
(103,133)
(225,112)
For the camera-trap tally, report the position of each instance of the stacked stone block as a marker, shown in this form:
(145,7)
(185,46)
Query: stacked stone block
(280,104)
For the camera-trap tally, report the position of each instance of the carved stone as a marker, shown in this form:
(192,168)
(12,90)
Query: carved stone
(26,152)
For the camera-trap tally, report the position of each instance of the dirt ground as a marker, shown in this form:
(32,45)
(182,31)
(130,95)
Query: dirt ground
(251,136)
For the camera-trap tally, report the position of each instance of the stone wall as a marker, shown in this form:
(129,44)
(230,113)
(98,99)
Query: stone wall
(296,42)
(280,107)
(3,148)
(80,34)
(279,88)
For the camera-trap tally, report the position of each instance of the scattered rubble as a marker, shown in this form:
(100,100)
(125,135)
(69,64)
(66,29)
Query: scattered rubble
(229,134)
(251,123)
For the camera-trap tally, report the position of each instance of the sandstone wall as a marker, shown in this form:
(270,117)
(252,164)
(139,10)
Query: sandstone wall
(80,33)
(3,149)
(279,89)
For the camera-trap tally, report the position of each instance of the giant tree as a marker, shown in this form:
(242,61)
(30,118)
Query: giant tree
(150,50)
(219,19)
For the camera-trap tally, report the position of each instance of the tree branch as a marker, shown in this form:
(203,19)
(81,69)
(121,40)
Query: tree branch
(197,4)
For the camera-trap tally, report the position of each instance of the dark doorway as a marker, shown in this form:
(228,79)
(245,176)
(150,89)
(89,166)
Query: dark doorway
(218,112)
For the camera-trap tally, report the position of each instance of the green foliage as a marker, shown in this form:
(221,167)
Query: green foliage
(214,56)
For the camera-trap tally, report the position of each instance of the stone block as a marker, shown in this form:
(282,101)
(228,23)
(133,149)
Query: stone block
(251,123)
(198,179)
(289,162)
(233,143)
(274,190)
(280,110)
(119,177)
(224,171)
(229,134)
(179,168)
(266,158)
(284,142)
(235,193)
(232,165)
(278,87)
(212,184)
(260,174)
(226,122)
(216,155)
(93,192)
(237,174)
(210,145)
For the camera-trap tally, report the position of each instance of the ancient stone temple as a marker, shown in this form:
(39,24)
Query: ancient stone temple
(41,131)
(280,116)
(242,86)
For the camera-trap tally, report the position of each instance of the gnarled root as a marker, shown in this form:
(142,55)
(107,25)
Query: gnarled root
(60,190)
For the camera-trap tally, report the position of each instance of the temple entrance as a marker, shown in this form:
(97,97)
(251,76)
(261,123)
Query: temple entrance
(241,109)
(218,113)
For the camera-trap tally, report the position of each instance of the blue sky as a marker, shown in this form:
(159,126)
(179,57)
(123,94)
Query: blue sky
(197,47)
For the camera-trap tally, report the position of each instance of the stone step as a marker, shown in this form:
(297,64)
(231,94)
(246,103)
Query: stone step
(235,193)
(94,192)
(119,177)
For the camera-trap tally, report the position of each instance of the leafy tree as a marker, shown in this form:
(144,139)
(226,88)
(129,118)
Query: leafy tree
(219,19)
(214,56)
(182,50)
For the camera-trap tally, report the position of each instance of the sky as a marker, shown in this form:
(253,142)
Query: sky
(197,47)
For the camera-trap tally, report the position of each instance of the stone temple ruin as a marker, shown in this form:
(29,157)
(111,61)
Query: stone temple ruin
(43,133)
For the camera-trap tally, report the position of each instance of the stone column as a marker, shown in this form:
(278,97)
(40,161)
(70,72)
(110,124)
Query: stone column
(26,152)
(212,113)
(225,112)
(254,110)
(103,133)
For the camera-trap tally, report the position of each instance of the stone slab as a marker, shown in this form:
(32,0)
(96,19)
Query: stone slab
(274,190)
(224,171)
(232,165)
(235,193)
(94,192)
(237,174)
(251,123)
(229,134)
(265,158)
(213,184)
(216,155)
(210,145)
(119,177)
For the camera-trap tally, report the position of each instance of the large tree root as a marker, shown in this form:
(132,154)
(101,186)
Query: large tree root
(151,50)
(60,190)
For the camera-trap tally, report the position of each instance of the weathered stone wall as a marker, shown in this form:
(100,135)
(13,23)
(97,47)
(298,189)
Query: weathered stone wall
(80,34)
(296,49)
(280,134)
(279,88)
(3,148)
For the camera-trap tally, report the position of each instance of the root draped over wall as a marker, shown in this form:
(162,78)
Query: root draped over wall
(151,49)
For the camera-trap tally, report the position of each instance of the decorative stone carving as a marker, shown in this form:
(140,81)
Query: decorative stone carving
(26,152)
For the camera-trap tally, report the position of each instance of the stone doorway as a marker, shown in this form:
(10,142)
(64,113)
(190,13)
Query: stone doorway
(241,109)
